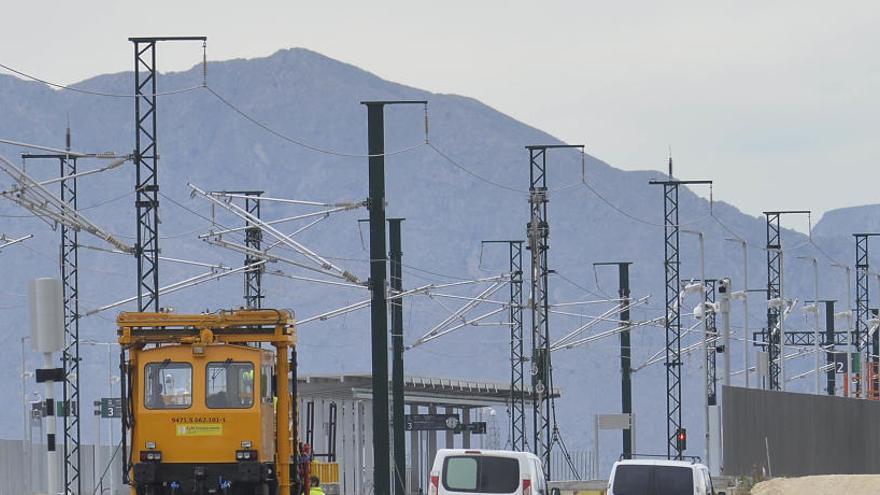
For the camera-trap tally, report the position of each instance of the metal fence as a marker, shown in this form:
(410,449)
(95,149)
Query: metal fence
(789,434)
(23,469)
(578,466)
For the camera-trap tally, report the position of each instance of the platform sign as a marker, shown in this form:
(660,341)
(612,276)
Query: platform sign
(111,407)
(476,428)
(856,362)
(38,409)
(614,421)
(841,363)
(431,422)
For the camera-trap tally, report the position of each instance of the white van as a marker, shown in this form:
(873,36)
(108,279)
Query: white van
(660,477)
(473,472)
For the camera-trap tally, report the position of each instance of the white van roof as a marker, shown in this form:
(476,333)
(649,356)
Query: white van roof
(502,453)
(658,462)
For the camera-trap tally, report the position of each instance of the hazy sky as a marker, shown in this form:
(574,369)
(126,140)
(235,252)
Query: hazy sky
(775,101)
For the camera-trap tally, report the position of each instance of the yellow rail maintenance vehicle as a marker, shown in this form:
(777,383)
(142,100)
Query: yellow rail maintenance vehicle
(206,408)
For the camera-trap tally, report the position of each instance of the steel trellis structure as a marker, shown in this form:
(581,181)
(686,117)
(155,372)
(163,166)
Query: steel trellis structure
(863,313)
(774,291)
(712,350)
(673,310)
(70,300)
(801,338)
(253,237)
(71,358)
(537,235)
(146,159)
(517,360)
(517,410)
(774,269)
(253,278)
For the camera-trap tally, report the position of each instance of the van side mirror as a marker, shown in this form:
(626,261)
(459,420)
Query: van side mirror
(556,491)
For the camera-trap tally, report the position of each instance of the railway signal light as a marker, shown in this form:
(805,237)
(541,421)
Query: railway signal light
(681,439)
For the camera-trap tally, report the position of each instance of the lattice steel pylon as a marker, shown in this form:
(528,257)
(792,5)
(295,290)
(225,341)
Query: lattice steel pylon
(517,411)
(774,291)
(146,159)
(673,310)
(517,359)
(70,356)
(253,238)
(712,348)
(863,314)
(537,235)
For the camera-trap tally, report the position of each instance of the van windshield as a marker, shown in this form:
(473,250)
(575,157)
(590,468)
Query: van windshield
(635,479)
(481,474)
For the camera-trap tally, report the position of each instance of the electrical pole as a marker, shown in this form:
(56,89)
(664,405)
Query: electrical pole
(673,311)
(724,307)
(397,393)
(745,299)
(517,359)
(538,233)
(817,342)
(863,345)
(710,341)
(253,237)
(70,356)
(851,340)
(775,314)
(830,341)
(625,351)
(378,304)
(146,159)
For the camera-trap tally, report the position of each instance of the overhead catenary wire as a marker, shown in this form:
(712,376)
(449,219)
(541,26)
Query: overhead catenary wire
(67,87)
(596,320)
(303,144)
(109,155)
(465,322)
(183,284)
(34,197)
(459,314)
(300,202)
(304,216)
(6,242)
(84,208)
(604,334)
(219,266)
(301,249)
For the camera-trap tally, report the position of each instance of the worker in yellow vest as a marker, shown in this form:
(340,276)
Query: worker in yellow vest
(315,486)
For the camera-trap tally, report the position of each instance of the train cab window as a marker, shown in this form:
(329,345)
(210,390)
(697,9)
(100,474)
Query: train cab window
(230,385)
(168,385)
(266,373)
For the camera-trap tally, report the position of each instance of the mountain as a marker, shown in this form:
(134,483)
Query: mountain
(449,210)
(846,221)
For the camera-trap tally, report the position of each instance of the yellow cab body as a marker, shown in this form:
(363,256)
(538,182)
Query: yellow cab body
(202,408)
